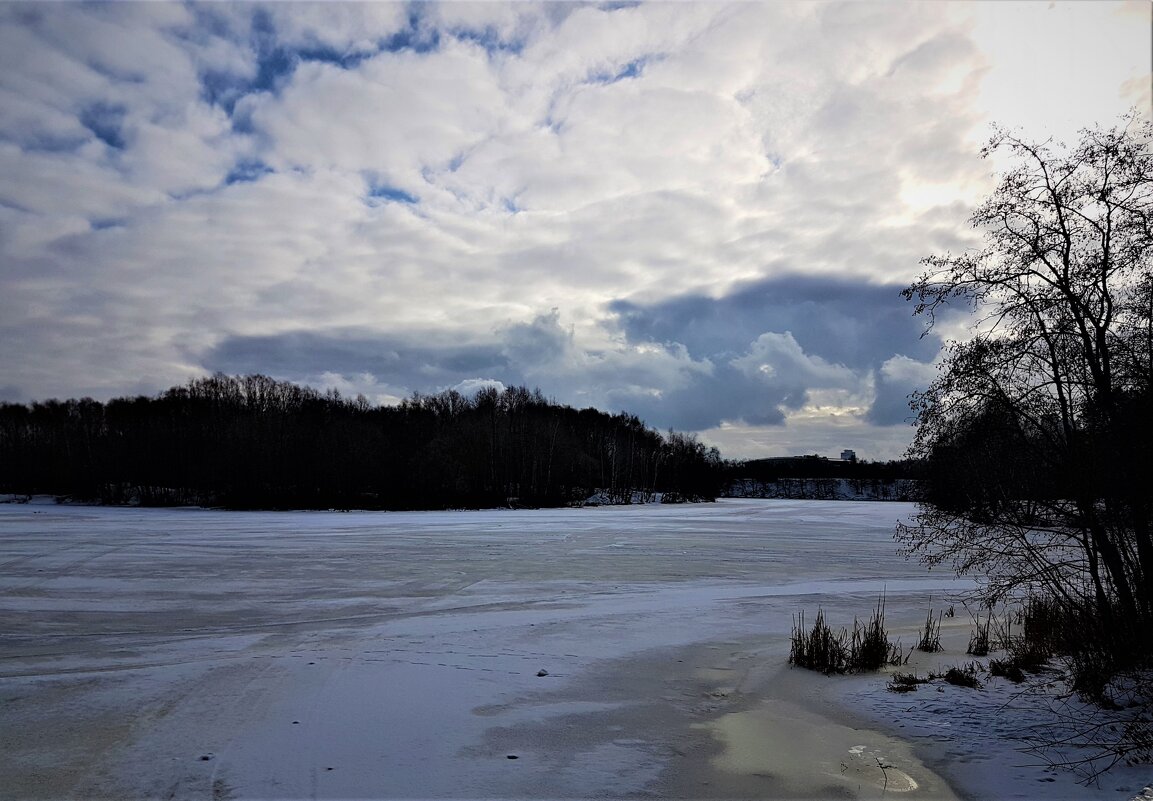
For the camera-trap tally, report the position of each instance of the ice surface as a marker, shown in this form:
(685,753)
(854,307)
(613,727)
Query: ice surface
(199,653)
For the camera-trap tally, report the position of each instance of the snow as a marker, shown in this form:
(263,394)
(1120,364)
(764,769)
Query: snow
(196,653)
(979,737)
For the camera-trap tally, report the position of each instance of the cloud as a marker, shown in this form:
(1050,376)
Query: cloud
(760,356)
(777,342)
(417,361)
(541,342)
(699,212)
(840,320)
(538,353)
(896,380)
(471,386)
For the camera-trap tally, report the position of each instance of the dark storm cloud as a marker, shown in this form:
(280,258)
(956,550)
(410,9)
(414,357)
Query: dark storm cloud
(540,342)
(771,342)
(407,362)
(891,404)
(841,320)
(411,361)
(709,399)
(897,379)
(690,362)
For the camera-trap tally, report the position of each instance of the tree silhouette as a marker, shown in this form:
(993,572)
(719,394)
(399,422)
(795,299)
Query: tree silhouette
(254,442)
(1037,426)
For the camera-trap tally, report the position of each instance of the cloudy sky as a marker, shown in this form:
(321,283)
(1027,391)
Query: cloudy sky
(701,213)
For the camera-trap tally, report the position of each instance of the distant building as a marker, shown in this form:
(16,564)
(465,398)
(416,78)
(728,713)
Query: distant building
(848,455)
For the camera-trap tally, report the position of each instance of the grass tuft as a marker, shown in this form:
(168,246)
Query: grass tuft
(965,676)
(979,642)
(1006,668)
(906,682)
(930,641)
(822,649)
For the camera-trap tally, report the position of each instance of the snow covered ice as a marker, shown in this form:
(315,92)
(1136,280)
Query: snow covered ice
(598,652)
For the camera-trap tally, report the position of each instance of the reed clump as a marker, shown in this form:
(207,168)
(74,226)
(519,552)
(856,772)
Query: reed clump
(866,648)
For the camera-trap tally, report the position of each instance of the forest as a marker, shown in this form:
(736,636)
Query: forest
(255,442)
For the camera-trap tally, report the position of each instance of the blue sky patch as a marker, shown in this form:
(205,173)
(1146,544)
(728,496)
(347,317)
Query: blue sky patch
(271,67)
(633,69)
(490,40)
(415,37)
(246,171)
(106,121)
(390,194)
(223,89)
(274,63)
(330,55)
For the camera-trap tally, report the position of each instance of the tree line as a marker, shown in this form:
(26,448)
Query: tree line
(255,442)
(817,478)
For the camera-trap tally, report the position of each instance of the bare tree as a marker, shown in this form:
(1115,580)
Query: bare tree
(1037,428)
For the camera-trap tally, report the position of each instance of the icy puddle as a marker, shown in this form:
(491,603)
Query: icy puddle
(805,755)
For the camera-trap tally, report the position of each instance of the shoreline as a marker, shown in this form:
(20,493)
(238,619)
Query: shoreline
(785,736)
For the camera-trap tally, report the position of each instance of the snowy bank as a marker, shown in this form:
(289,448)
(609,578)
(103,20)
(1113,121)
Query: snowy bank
(826,489)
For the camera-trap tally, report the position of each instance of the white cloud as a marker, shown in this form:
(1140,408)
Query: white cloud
(347,28)
(51,184)
(1054,68)
(524,157)
(470,386)
(355,385)
(824,435)
(911,371)
(776,355)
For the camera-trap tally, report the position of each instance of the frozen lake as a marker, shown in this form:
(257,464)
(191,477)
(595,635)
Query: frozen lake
(196,653)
